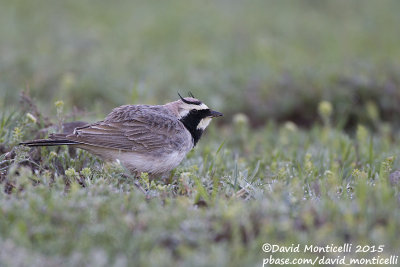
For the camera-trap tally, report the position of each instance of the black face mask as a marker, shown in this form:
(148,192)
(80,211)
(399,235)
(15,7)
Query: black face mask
(192,120)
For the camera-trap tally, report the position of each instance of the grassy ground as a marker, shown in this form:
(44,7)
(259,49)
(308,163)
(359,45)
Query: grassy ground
(311,172)
(234,192)
(269,60)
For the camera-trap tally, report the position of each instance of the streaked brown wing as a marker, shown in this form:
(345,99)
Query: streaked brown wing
(142,131)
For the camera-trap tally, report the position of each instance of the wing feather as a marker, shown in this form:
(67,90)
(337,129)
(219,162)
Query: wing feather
(134,128)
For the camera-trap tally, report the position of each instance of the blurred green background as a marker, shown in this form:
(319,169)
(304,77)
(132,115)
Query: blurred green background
(273,60)
(314,181)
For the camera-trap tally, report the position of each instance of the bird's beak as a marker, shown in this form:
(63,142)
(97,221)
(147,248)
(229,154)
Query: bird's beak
(214,113)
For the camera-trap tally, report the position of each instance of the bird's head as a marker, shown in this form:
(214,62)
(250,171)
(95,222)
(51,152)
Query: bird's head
(194,114)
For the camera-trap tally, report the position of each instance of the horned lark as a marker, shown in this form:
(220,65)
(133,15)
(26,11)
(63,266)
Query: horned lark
(144,138)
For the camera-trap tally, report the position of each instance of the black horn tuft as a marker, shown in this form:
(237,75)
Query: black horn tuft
(189,102)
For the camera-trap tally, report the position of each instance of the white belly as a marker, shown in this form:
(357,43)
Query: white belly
(150,164)
(136,162)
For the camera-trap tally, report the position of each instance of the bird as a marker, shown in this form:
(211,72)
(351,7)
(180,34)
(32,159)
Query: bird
(151,139)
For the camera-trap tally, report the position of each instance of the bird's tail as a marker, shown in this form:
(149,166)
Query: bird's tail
(55,140)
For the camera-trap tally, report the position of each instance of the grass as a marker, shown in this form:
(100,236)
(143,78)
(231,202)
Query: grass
(306,152)
(283,185)
(270,60)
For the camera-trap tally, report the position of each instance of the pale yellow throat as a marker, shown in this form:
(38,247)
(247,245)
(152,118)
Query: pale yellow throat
(204,123)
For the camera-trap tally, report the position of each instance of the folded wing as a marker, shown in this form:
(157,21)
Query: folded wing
(142,130)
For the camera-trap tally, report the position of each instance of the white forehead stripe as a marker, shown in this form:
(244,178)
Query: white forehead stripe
(192,106)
